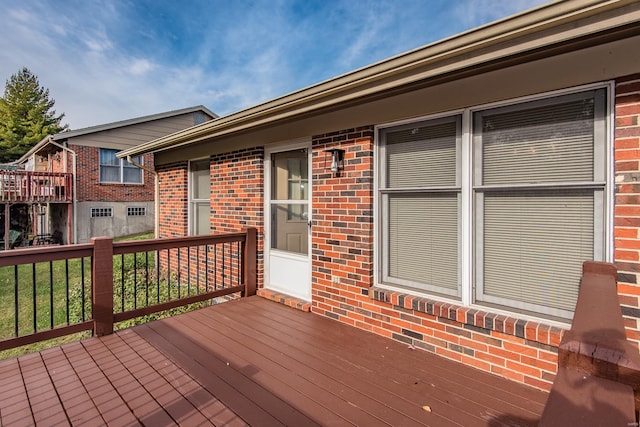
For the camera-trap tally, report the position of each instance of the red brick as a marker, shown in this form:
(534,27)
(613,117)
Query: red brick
(623,143)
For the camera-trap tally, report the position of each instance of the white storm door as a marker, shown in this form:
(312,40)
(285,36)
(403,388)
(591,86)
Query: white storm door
(288,222)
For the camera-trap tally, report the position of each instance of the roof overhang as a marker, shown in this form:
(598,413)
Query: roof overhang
(40,147)
(134,121)
(545,31)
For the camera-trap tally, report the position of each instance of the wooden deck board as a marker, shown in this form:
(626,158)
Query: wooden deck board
(277,376)
(332,377)
(202,399)
(254,362)
(14,407)
(73,396)
(455,385)
(43,397)
(370,368)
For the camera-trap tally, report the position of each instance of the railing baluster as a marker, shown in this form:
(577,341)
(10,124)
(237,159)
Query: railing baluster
(135,280)
(122,282)
(35,315)
(179,269)
(146,277)
(82,289)
(189,270)
(51,294)
(206,268)
(168,274)
(66,280)
(224,252)
(158,275)
(215,266)
(15,301)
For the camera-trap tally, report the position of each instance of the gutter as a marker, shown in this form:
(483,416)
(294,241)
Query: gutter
(552,23)
(156,195)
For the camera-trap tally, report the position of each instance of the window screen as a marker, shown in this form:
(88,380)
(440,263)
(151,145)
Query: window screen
(199,189)
(421,199)
(539,199)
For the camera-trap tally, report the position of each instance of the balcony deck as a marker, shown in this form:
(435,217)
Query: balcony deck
(35,187)
(254,362)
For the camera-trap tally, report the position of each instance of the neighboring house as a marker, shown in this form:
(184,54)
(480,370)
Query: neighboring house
(445,197)
(112,197)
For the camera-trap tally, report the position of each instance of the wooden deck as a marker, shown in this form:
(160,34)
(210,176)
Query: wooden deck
(259,363)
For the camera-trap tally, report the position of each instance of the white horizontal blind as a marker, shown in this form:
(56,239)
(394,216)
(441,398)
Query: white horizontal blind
(553,143)
(422,225)
(530,243)
(423,240)
(534,246)
(424,156)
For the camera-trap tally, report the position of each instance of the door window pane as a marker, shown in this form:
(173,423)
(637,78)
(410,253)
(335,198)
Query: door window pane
(289,227)
(290,179)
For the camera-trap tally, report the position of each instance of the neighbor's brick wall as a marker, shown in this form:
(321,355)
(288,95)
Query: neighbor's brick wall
(237,195)
(173,212)
(627,203)
(90,188)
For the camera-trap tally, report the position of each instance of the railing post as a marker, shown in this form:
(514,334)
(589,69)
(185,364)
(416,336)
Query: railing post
(102,279)
(249,259)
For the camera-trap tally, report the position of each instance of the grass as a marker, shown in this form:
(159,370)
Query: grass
(47,282)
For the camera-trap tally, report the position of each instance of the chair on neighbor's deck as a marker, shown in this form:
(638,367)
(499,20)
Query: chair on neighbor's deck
(14,238)
(598,379)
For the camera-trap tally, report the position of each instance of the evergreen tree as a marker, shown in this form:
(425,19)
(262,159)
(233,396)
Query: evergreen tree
(26,115)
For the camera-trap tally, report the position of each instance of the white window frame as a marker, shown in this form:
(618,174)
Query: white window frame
(194,203)
(101,212)
(123,163)
(136,211)
(468,215)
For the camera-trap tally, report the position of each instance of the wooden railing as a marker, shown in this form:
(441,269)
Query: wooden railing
(598,378)
(26,186)
(57,291)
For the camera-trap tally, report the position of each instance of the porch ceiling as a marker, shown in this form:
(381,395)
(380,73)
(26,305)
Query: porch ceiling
(254,362)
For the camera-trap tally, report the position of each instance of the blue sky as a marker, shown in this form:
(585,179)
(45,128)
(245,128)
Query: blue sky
(112,60)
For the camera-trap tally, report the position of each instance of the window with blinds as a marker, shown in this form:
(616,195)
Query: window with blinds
(199,190)
(539,193)
(532,205)
(115,170)
(421,199)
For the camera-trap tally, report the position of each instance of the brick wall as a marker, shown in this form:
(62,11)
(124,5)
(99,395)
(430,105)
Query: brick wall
(173,198)
(237,195)
(627,204)
(342,212)
(90,188)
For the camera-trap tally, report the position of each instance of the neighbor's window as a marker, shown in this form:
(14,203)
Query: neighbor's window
(101,212)
(199,210)
(136,211)
(536,207)
(115,170)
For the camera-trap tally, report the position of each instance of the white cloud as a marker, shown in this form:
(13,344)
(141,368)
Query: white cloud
(140,66)
(103,65)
